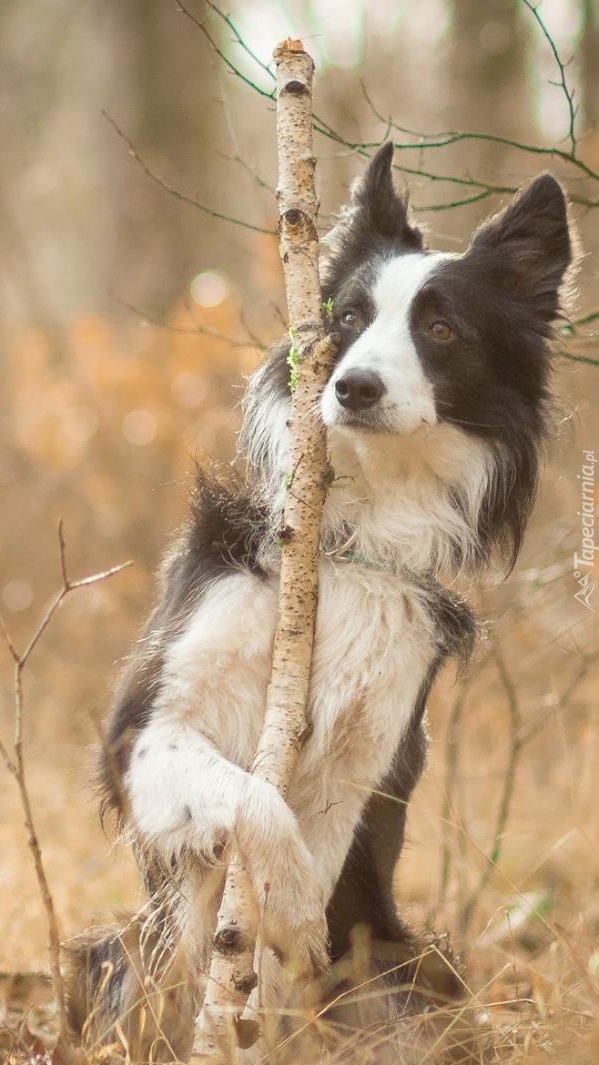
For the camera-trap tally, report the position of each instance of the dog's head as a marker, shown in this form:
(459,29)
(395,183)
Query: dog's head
(442,369)
(431,337)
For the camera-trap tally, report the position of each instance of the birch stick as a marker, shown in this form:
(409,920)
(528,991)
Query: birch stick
(219,1028)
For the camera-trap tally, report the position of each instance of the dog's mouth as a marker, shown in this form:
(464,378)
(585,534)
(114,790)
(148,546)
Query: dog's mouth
(381,422)
(367,422)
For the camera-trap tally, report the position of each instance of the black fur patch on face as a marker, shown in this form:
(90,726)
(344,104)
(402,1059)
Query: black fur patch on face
(353,299)
(491,374)
(490,380)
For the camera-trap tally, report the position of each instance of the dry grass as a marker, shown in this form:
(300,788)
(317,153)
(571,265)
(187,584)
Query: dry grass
(515,744)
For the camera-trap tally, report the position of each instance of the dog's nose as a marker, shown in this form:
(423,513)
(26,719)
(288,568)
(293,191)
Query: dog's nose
(359,389)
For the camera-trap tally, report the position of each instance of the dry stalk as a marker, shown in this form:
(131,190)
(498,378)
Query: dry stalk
(232,975)
(452,815)
(15,763)
(509,780)
(519,737)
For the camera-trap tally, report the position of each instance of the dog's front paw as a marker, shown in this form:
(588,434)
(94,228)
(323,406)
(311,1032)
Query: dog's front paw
(286,883)
(294,921)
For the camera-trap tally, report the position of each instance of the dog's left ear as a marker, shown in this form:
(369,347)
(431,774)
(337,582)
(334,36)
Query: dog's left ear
(528,245)
(375,206)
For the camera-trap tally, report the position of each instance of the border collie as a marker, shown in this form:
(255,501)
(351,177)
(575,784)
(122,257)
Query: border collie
(436,410)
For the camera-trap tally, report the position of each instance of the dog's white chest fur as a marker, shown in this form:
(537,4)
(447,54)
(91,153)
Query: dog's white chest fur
(373,649)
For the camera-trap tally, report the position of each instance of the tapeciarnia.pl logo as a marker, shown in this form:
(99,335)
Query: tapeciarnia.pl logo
(585,561)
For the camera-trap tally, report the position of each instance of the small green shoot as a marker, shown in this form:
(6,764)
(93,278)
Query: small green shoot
(293,361)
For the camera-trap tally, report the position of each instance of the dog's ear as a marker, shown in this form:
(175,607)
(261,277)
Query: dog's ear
(375,215)
(375,206)
(528,245)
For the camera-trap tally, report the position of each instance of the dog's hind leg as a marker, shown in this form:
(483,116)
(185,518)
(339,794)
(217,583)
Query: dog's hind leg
(132,987)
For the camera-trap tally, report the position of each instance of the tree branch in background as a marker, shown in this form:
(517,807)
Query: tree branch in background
(424,141)
(197,330)
(449,814)
(232,974)
(562,84)
(453,818)
(576,329)
(516,744)
(15,763)
(175,192)
(228,21)
(579,358)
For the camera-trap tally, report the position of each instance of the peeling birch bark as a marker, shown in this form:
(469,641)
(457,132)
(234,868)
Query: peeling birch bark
(220,1029)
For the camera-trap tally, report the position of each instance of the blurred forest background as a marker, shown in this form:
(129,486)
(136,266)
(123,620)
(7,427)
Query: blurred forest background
(128,317)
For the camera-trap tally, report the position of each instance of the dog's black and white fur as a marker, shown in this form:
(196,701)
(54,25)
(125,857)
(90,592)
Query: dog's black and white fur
(436,411)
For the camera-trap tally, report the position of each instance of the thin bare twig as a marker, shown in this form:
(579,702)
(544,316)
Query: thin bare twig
(580,358)
(239,39)
(228,63)
(562,700)
(425,141)
(430,141)
(519,737)
(257,342)
(514,750)
(452,763)
(586,319)
(562,84)
(16,764)
(175,192)
(452,746)
(194,330)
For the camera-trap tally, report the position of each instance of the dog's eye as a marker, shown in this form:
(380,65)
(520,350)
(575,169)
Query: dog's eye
(440,330)
(350,318)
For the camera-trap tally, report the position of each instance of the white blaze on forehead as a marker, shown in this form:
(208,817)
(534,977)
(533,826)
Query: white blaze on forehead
(387,347)
(399,280)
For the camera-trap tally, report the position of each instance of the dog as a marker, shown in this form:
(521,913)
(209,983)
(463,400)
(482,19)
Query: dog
(437,410)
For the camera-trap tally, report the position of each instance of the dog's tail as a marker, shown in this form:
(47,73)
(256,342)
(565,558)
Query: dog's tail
(130,989)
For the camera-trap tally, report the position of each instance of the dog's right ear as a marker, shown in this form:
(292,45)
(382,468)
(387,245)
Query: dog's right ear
(375,206)
(375,215)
